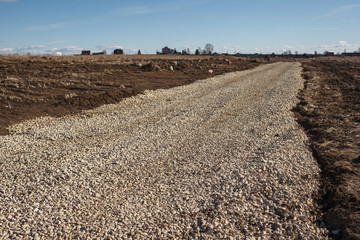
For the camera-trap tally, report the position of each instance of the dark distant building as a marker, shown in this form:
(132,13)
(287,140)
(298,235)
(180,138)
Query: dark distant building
(85,52)
(353,54)
(329,53)
(118,51)
(167,50)
(100,53)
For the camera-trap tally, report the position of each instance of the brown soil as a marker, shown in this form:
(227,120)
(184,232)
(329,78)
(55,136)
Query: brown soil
(54,86)
(329,111)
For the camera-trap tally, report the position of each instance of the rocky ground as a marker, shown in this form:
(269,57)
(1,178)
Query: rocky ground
(220,158)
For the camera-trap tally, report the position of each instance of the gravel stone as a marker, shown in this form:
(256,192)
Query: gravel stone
(219,158)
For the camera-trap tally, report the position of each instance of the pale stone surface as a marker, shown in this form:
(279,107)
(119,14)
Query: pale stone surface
(220,158)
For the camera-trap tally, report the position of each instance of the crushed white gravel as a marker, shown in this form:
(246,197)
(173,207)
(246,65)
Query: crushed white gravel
(219,158)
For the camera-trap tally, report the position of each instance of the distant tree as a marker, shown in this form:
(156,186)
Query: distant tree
(197,52)
(287,52)
(185,51)
(139,52)
(296,52)
(315,53)
(209,48)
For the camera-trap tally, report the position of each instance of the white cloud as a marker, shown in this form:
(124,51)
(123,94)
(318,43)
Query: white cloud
(33,49)
(342,44)
(41,50)
(339,10)
(229,48)
(350,21)
(47,27)
(6,50)
(288,46)
(339,46)
(130,51)
(336,47)
(51,49)
(107,46)
(70,50)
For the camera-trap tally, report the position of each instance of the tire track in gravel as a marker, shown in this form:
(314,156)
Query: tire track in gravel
(222,157)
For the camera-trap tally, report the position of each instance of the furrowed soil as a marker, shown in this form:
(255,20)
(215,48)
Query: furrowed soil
(55,86)
(329,111)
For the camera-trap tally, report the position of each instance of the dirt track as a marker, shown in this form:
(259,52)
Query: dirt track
(218,158)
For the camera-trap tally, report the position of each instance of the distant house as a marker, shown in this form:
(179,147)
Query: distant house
(329,53)
(167,50)
(85,52)
(118,51)
(306,55)
(100,53)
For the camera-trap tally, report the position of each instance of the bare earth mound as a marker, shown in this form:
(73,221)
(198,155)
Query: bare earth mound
(54,86)
(330,113)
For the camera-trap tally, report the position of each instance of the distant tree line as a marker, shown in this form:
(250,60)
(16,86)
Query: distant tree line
(208,50)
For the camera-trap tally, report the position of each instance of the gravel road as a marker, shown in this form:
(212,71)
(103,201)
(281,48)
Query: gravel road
(222,157)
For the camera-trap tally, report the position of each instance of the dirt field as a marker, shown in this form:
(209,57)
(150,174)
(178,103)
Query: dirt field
(221,158)
(330,113)
(53,86)
(329,109)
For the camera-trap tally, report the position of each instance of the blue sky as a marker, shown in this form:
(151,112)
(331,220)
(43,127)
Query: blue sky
(50,26)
